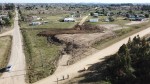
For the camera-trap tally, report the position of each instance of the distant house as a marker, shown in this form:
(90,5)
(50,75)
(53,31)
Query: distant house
(3,16)
(69,20)
(94,20)
(136,18)
(35,23)
(36,18)
(95,14)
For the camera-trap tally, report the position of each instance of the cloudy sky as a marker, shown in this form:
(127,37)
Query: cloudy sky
(75,1)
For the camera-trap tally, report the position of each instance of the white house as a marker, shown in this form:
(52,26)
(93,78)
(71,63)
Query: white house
(35,23)
(94,20)
(69,20)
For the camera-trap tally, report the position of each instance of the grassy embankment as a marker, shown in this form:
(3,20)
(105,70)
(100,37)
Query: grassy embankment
(121,34)
(41,56)
(5,47)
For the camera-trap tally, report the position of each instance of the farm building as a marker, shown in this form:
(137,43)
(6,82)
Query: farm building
(69,20)
(35,23)
(94,20)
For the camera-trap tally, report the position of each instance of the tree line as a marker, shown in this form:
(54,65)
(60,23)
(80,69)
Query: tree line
(130,65)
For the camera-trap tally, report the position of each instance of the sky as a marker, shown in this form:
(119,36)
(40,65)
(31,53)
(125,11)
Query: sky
(74,1)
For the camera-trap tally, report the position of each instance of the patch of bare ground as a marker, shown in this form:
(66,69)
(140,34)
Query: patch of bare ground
(113,27)
(137,22)
(78,45)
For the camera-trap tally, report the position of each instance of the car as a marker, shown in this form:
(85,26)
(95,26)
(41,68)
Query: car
(8,68)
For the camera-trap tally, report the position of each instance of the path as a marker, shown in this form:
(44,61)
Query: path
(62,64)
(7,33)
(83,20)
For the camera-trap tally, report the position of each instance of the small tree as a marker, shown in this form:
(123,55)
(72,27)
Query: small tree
(10,15)
(147,15)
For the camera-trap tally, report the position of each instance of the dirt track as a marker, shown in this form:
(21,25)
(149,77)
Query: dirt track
(7,33)
(72,70)
(84,39)
(17,59)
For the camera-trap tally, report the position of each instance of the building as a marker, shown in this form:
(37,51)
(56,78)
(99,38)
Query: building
(69,20)
(3,16)
(36,18)
(35,23)
(94,20)
(95,14)
(136,18)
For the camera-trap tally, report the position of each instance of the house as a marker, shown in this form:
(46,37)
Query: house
(36,18)
(95,14)
(35,23)
(3,16)
(69,20)
(136,18)
(94,20)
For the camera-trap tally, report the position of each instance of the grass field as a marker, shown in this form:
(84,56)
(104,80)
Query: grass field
(41,56)
(53,22)
(5,47)
(121,34)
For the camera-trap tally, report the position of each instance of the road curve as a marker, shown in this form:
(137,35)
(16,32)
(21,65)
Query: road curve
(17,59)
(72,70)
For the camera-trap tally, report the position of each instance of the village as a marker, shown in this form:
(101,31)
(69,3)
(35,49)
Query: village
(56,36)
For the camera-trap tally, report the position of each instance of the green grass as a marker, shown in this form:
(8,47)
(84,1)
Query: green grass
(5,47)
(41,56)
(120,34)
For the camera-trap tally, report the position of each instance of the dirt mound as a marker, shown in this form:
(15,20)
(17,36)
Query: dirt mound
(83,29)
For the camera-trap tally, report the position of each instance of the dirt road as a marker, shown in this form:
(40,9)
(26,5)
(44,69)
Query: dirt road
(83,20)
(7,33)
(17,59)
(72,70)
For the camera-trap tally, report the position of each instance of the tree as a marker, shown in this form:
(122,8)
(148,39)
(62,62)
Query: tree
(147,15)
(7,21)
(10,15)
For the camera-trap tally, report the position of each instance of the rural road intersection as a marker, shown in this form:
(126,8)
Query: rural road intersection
(17,60)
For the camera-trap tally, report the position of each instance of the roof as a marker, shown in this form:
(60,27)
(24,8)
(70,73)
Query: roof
(69,19)
(94,20)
